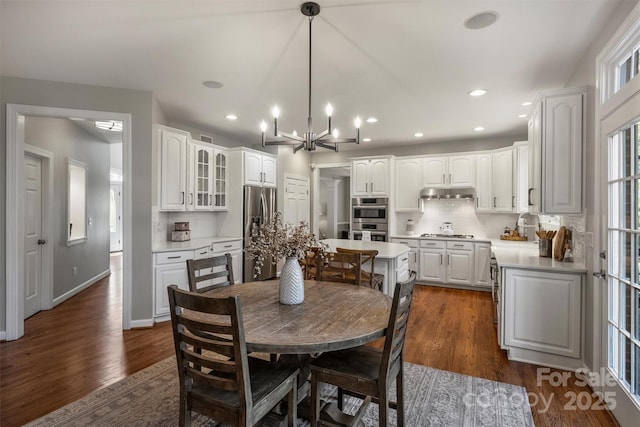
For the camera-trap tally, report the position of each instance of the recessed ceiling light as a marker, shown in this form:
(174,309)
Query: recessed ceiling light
(481,20)
(418,134)
(526,103)
(523,116)
(366,140)
(371,120)
(212,84)
(478,128)
(477,92)
(231,117)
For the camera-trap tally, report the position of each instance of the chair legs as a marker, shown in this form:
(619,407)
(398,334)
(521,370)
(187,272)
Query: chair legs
(400,398)
(292,404)
(315,401)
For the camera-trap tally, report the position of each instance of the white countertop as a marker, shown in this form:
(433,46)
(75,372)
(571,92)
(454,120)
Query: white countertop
(418,237)
(525,255)
(192,244)
(385,250)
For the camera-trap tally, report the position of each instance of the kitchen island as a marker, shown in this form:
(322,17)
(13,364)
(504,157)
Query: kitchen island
(539,306)
(392,259)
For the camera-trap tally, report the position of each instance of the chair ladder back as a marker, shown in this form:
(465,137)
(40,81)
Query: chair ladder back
(369,276)
(210,270)
(202,322)
(340,267)
(397,328)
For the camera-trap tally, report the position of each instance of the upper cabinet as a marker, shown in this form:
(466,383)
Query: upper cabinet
(192,174)
(449,171)
(521,175)
(172,183)
(556,139)
(259,169)
(370,177)
(408,184)
(494,181)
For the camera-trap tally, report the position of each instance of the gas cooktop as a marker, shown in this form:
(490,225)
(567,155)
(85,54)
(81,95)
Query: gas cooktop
(448,236)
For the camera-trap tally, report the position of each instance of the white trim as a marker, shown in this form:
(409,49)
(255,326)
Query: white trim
(81,287)
(145,323)
(48,160)
(15,119)
(315,191)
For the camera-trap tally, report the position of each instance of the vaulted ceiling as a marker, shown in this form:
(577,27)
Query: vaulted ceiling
(410,64)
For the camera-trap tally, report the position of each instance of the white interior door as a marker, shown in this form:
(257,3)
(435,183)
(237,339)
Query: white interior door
(32,235)
(621,243)
(115,217)
(297,202)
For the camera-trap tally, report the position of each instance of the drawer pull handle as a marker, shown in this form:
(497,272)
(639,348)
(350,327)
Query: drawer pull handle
(204,253)
(458,245)
(174,257)
(228,246)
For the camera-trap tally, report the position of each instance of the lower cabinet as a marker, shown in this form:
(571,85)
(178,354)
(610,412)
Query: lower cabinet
(412,261)
(170,268)
(482,263)
(542,319)
(444,261)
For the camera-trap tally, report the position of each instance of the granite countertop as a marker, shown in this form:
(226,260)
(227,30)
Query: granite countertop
(192,244)
(525,255)
(385,250)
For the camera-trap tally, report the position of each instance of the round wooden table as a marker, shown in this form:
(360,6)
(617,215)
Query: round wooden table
(333,316)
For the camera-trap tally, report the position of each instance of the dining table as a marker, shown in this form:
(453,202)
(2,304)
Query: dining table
(333,316)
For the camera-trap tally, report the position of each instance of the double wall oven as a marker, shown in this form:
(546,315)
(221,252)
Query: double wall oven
(370,214)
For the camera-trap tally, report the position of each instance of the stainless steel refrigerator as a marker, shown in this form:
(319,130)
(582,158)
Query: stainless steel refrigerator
(259,207)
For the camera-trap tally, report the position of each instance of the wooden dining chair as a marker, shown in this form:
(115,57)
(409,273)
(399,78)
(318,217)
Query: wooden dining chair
(221,382)
(308,263)
(369,277)
(366,371)
(339,267)
(209,273)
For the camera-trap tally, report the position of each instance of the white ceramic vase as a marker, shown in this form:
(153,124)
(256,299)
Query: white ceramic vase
(291,282)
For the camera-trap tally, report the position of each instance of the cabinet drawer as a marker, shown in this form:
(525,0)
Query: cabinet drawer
(173,257)
(412,243)
(202,253)
(224,247)
(432,244)
(464,246)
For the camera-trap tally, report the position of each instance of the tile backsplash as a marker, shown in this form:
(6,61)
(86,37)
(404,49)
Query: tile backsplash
(202,224)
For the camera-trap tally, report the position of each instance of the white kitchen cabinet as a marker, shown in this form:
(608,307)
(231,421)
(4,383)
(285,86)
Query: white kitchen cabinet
(459,262)
(542,316)
(408,185)
(233,248)
(413,263)
(521,175)
(172,170)
(503,197)
(482,263)
(484,182)
(556,139)
(259,169)
(200,177)
(432,267)
(450,171)
(221,177)
(370,177)
(170,268)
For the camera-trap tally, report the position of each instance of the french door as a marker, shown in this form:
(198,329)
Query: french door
(621,318)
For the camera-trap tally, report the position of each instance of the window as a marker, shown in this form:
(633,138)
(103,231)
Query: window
(628,69)
(76,202)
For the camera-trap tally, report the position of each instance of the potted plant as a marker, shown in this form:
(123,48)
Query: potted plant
(279,240)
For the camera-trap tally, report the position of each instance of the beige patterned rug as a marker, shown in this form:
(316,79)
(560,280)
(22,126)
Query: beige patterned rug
(432,398)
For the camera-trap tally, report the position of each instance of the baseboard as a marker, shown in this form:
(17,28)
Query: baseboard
(62,298)
(145,323)
(456,286)
(3,335)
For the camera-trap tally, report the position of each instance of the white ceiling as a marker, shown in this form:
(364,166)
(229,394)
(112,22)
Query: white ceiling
(408,63)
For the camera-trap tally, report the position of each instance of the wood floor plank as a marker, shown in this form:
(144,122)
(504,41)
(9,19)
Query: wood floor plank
(79,346)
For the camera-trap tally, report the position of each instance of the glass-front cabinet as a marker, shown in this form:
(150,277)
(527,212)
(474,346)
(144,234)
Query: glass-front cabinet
(220,185)
(203,177)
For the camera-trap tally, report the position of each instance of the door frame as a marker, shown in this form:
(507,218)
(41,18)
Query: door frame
(315,192)
(47,161)
(303,178)
(15,148)
(119,213)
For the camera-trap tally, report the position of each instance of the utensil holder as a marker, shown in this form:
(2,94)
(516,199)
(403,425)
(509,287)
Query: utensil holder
(545,248)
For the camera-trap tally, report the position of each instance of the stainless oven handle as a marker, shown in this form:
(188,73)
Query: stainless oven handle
(370,206)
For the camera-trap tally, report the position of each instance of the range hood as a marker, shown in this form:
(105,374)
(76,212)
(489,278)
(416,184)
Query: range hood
(447,193)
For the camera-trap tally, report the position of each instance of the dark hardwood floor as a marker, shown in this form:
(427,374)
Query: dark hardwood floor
(79,346)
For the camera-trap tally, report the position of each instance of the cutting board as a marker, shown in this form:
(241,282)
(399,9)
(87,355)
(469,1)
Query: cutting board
(561,243)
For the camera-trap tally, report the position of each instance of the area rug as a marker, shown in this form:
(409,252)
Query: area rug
(432,398)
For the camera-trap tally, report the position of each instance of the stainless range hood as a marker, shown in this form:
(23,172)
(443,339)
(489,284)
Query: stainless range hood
(447,193)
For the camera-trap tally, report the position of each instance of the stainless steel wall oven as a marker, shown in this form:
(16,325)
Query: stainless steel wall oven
(370,214)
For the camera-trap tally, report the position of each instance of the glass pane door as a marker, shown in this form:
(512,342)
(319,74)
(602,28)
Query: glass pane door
(623,233)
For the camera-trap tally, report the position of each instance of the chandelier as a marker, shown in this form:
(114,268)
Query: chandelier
(310,140)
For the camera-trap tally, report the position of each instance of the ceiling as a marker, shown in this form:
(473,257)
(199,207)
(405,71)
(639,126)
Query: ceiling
(410,64)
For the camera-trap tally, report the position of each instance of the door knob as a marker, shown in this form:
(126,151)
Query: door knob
(600,274)
(41,241)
